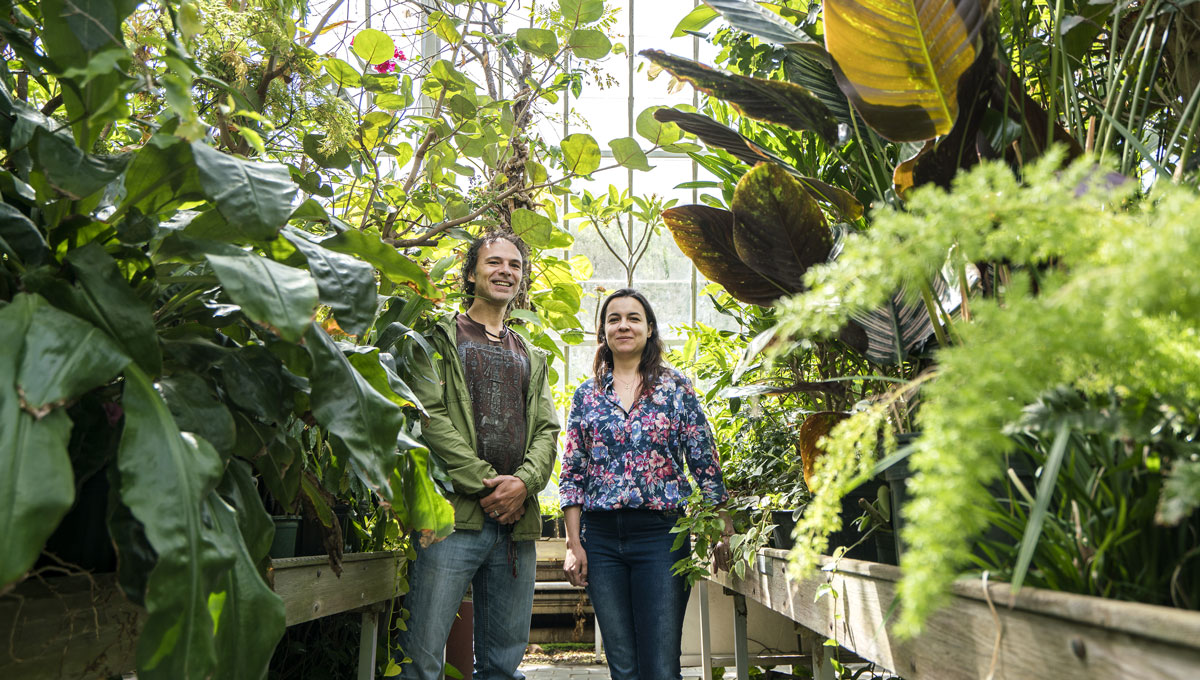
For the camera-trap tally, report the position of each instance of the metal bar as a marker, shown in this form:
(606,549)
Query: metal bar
(366,644)
(705,631)
(741,652)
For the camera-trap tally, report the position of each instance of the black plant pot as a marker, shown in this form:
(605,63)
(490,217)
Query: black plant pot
(785,522)
(878,548)
(287,529)
(553,527)
(850,536)
(897,477)
(312,533)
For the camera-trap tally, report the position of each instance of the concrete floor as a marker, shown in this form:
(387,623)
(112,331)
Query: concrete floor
(590,672)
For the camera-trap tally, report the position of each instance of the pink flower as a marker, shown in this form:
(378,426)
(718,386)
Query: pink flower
(399,55)
(386,67)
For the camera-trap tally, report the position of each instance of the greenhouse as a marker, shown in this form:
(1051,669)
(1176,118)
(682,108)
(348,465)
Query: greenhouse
(563,339)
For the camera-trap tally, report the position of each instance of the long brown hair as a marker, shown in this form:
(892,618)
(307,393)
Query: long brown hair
(651,365)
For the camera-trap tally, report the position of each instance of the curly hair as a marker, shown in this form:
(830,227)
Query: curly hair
(472,260)
(651,365)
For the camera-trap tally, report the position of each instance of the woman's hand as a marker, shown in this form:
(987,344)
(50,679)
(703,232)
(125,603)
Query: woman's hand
(722,553)
(575,564)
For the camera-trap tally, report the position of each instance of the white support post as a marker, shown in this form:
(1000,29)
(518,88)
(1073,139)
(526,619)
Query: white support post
(705,631)
(741,650)
(366,644)
(822,665)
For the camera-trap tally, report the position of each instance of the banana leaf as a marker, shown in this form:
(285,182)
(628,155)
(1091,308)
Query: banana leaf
(900,62)
(719,136)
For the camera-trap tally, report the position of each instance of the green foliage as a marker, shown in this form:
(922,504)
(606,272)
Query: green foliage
(1098,533)
(1090,307)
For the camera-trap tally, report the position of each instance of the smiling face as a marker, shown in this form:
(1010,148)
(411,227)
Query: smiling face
(626,329)
(497,275)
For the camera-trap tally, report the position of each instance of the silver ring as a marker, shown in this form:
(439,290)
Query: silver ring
(495,513)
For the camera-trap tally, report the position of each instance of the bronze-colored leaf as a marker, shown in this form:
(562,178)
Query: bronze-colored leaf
(705,235)
(778,228)
(900,61)
(902,176)
(811,431)
(745,150)
(773,101)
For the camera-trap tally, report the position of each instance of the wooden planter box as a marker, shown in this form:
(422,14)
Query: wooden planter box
(1032,634)
(83,627)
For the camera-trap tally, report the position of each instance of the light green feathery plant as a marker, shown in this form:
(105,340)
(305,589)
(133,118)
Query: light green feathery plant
(1098,299)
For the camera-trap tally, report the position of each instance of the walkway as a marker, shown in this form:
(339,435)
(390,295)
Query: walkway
(589,672)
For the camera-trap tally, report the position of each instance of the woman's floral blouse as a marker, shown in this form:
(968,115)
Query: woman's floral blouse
(616,460)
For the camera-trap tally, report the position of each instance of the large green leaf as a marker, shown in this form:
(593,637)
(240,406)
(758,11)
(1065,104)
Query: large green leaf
(35,471)
(777,227)
(161,175)
(253,379)
(251,616)
(20,238)
(629,154)
(342,73)
(534,228)
(420,507)
(695,20)
(581,153)
(705,235)
(753,18)
(197,410)
(576,12)
(278,460)
(385,381)
(589,43)
(74,32)
(339,159)
(165,477)
(257,197)
(113,306)
(390,262)
(62,356)
(68,169)
(344,283)
(268,292)
(773,101)
(718,136)
(540,42)
(364,420)
(655,132)
(900,61)
(373,46)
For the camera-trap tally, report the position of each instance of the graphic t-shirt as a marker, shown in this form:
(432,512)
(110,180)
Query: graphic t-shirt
(497,372)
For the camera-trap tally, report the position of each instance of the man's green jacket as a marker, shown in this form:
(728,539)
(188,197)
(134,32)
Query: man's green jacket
(450,432)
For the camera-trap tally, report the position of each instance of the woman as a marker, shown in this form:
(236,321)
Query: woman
(632,428)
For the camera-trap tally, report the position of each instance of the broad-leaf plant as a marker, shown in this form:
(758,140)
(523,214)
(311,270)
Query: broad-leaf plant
(827,114)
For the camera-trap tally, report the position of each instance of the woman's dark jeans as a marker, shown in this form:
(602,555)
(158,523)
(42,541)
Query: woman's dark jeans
(639,603)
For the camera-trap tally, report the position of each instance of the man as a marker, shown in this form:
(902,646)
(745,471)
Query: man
(493,425)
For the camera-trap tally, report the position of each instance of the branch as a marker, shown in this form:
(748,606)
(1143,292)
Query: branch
(52,105)
(419,156)
(424,239)
(321,24)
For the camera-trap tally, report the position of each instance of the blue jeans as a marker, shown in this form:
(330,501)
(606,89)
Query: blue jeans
(639,604)
(502,594)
